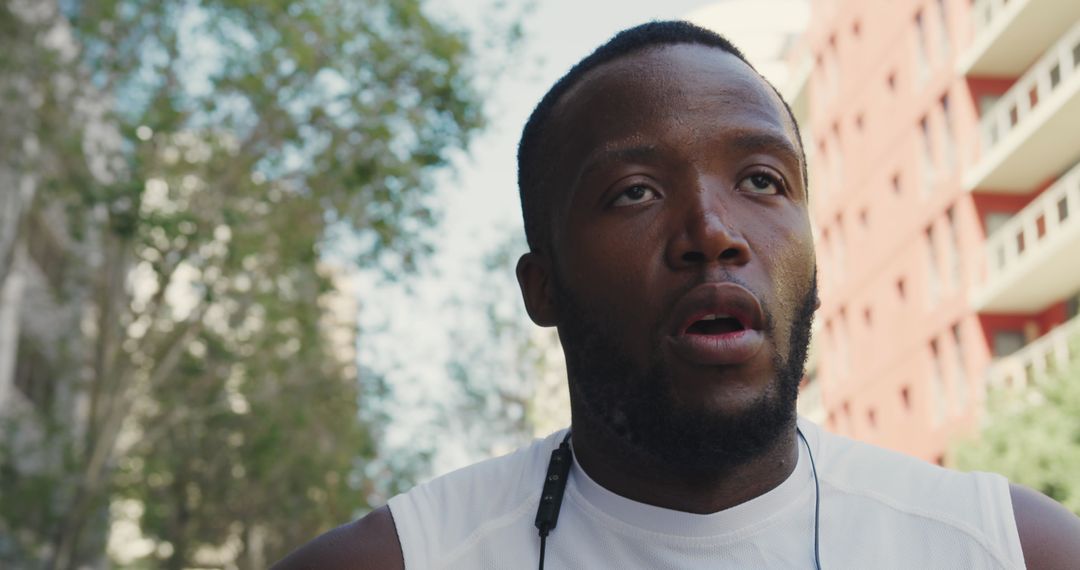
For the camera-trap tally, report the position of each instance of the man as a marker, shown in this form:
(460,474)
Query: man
(663,186)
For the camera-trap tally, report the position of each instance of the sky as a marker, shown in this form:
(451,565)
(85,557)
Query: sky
(403,328)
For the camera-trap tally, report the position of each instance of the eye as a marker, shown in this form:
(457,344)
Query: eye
(636,194)
(761,183)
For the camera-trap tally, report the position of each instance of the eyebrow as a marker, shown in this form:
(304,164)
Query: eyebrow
(744,141)
(764,141)
(605,156)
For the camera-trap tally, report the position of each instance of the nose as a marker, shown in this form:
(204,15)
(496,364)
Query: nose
(705,235)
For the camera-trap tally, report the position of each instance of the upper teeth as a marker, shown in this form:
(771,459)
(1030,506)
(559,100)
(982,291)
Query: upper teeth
(714,317)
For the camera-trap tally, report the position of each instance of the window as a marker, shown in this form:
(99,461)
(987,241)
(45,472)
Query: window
(1072,306)
(922,62)
(837,158)
(824,173)
(959,370)
(843,338)
(986,104)
(821,73)
(933,282)
(994,221)
(825,260)
(937,382)
(837,168)
(830,338)
(927,156)
(954,247)
(1007,342)
(943,27)
(832,66)
(839,248)
(947,130)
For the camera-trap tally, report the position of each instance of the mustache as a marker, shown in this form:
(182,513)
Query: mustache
(720,275)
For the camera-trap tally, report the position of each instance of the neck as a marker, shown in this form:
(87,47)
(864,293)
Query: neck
(615,465)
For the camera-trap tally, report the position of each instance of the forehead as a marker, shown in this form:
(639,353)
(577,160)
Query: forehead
(691,91)
(681,70)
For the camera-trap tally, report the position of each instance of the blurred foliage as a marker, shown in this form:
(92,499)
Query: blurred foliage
(1032,434)
(199,153)
(503,365)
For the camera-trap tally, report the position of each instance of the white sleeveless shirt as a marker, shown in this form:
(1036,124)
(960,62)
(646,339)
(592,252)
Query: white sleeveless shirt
(879,509)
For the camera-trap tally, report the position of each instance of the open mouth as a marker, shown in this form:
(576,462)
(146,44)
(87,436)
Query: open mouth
(715,325)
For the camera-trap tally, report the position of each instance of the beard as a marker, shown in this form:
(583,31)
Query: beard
(638,408)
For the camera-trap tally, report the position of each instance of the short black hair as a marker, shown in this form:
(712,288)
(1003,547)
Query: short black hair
(533,156)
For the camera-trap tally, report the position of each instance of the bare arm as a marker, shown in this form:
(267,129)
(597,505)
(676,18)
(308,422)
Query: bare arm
(1049,533)
(369,543)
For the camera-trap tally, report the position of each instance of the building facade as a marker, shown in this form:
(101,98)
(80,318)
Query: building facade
(943,138)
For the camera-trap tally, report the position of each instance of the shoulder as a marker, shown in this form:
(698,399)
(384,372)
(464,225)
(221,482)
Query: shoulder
(437,517)
(478,490)
(434,517)
(951,513)
(370,542)
(1049,533)
(858,467)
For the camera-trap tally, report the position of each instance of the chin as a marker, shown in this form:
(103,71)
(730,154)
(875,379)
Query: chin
(692,418)
(696,432)
(723,390)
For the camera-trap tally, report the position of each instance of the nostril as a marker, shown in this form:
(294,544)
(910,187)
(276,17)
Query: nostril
(693,257)
(729,253)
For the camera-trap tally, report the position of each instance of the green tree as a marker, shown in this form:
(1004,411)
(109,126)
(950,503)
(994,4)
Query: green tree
(1032,434)
(503,365)
(205,152)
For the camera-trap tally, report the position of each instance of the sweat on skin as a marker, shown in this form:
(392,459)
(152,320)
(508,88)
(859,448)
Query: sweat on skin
(675,193)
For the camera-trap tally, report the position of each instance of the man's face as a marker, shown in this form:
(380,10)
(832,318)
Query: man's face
(682,265)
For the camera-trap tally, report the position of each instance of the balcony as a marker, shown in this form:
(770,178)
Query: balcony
(1032,259)
(1051,351)
(1010,34)
(1030,134)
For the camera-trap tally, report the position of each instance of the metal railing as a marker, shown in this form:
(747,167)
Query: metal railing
(1032,228)
(1032,90)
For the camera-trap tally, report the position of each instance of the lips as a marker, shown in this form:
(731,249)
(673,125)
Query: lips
(717,324)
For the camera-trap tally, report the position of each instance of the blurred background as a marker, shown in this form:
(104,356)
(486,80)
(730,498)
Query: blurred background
(256,256)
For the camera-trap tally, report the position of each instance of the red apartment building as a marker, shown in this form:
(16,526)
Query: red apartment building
(944,148)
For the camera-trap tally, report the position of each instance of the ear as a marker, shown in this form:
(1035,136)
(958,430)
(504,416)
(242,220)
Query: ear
(534,278)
